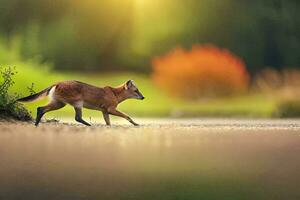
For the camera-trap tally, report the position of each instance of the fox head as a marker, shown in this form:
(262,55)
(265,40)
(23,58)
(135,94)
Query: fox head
(132,90)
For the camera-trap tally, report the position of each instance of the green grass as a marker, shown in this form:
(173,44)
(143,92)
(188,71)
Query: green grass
(156,104)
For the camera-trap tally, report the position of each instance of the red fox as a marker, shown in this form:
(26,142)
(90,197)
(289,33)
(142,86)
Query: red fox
(81,95)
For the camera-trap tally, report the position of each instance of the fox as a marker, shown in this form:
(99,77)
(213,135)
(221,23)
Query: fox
(82,95)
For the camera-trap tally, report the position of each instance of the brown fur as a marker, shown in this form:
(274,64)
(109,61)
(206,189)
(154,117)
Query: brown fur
(81,95)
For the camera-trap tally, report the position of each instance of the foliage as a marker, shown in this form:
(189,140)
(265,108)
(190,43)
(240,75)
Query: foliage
(9,107)
(114,34)
(204,71)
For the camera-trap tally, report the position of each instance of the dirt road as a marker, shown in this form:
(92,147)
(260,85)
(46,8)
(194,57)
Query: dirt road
(161,159)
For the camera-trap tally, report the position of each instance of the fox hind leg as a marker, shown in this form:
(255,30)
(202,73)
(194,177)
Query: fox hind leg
(78,116)
(54,105)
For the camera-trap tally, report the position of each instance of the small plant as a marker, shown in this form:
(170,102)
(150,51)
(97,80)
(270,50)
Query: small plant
(284,87)
(205,71)
(9,107)
(288,109)
(31,90)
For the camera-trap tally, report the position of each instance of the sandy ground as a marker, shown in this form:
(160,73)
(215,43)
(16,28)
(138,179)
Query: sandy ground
(161,159)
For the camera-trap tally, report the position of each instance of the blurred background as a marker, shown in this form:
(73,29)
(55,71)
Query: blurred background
(190,58)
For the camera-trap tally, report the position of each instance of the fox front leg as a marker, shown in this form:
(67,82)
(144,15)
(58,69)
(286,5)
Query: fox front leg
(115,112)
(106,118)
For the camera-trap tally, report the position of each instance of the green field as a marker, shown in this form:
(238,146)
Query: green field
(156,104)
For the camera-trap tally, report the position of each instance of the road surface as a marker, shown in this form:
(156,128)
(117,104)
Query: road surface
(161,159)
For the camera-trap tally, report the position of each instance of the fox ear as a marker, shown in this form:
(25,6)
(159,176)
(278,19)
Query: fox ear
(128,84)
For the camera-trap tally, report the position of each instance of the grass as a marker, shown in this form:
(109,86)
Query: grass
(156,104)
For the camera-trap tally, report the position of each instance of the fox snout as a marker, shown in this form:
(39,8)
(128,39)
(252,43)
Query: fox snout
(136,95)
(140,96)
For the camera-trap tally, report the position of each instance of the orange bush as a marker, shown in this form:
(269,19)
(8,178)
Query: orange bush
(204,71)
